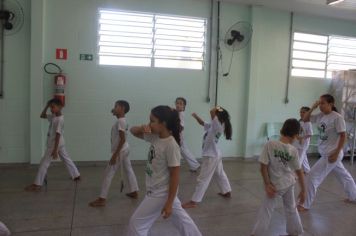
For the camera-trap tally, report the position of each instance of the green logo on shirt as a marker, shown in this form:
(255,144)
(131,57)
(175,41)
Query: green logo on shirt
(217,136)
(151,155)
(283,156)
(322,134)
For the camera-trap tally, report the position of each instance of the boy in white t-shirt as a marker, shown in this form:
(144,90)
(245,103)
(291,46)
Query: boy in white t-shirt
(119,157)
(279,164)
(55,145)
(186,154)
(303,140)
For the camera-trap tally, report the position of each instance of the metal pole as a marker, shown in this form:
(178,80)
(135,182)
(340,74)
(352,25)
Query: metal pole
(286,98)
(2,54)
(209,46)
(217,55)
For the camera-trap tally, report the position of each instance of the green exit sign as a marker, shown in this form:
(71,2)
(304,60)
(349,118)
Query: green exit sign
(86,57)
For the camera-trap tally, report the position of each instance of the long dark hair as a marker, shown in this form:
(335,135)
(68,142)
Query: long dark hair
(224,118)
(329,99)
(169,116)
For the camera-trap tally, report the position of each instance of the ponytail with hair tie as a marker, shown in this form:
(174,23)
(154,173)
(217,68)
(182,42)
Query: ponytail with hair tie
(170,116)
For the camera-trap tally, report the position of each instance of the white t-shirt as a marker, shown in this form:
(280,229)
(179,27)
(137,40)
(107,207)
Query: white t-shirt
(56,125)
(119,125)
(306,129)
(181,117)
(163,153)
(282,160)
(213,132)
(329,127)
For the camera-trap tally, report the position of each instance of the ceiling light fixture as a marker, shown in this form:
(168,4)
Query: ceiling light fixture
(333,2)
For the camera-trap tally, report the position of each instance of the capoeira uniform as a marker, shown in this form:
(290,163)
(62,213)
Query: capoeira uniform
(211,162)
(282,160)
(56,126)
(4,231)
(163,153)
(329,126)
(186,154)
(306,130)
(124,163)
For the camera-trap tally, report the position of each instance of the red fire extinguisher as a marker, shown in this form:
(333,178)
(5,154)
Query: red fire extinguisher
(59,81)
(59,86)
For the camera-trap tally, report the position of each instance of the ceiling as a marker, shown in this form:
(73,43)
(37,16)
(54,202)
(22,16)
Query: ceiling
(344,10)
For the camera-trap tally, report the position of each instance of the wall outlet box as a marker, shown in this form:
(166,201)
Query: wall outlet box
(86,57)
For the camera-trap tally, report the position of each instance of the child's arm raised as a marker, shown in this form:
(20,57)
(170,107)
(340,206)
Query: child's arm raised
(44,112)
(301,195)
(116,154)
(139,131)
(307,115)
(172,191)
(269,187)
(199,120)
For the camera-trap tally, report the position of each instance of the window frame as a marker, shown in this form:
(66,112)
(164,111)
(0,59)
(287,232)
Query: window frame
(152,58)
(326,61)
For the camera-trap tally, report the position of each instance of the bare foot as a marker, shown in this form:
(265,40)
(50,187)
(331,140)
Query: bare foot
(77,178)
(99,202)
(349,201)
(133,195)
(190,204)
(225,195)
(33,188)
(301,208)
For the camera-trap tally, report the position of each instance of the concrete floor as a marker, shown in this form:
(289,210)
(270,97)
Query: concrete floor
(63,210)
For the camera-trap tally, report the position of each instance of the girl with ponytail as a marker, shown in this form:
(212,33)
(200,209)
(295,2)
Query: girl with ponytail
(212,160)
(332,137)
(162,175)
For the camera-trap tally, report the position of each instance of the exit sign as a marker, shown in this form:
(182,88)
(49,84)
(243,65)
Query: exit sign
(86,57)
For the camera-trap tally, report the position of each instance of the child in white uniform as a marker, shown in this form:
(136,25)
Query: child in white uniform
(212,159)
(4,231)
(303,140)
(162,175)
(332,136)
(55,145)
(119,157)
(186,154)
(279,161)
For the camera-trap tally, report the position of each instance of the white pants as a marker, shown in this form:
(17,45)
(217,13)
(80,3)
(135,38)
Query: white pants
(4,231)
(303,159)
(47,159)
(211,166)
(150,210)
(188,156)
(128,174)
(318,173)
(294,225)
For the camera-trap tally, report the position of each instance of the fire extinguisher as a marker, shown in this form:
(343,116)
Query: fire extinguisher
(59,81)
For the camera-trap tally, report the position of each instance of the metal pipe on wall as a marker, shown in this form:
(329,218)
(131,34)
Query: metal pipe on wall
(286,98)
(209,46)
(217,55)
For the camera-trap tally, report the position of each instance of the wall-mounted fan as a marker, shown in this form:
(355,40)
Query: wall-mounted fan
(11,21)
(236,38)
(11,16)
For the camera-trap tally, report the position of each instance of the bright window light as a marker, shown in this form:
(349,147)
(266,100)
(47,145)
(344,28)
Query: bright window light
(151,40)
(317,56)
